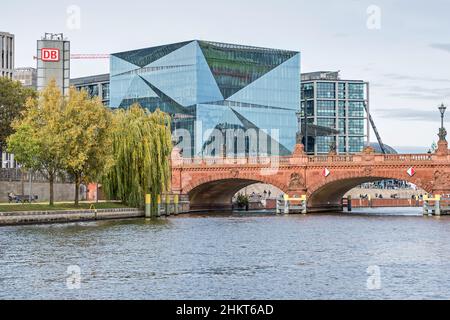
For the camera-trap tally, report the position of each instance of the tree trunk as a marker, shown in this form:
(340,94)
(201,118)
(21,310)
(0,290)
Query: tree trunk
(22,182)
(77,190)
(51,180)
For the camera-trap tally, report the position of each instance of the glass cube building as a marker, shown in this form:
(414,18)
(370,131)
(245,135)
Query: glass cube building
(338,104)
(207,85)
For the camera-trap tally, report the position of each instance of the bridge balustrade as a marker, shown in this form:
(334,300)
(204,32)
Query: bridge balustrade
(236,161)
(315,159)
(408,157)
(310,159)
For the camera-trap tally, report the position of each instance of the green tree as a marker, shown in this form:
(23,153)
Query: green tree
(141,145)
(85,130)
(13,97)
(38,143)
(242,201)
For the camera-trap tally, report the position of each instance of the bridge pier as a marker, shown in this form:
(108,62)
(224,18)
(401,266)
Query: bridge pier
(292,205)
(437,209)
(440,206)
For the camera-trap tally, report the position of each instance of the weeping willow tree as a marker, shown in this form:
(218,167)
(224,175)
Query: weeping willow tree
(141,145)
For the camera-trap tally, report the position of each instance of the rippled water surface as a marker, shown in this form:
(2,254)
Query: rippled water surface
(232,257)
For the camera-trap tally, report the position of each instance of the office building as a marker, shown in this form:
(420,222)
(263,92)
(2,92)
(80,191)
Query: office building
(53,61)
(338,104)
(6,70)
(208,85)
(6,54)
(26,76)
(96,86)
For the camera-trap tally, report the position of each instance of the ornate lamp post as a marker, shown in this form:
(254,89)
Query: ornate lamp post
(442,149)
(442,130)
(299,145)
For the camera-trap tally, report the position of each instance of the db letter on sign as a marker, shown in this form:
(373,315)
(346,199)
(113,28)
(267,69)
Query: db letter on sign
(50,55)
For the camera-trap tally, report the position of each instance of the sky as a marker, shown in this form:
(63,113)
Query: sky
(401,47)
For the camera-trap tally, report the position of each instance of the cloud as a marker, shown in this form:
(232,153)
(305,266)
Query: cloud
(441,46)
(426,115)
(410,149)
(404,77)
(341,35)
(418,92)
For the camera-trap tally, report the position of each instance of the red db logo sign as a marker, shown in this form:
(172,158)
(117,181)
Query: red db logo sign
(50,55)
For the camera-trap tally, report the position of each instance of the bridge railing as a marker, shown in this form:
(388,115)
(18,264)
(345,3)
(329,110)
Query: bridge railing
(343,158)
(408,157)
(211,161)
(236,161)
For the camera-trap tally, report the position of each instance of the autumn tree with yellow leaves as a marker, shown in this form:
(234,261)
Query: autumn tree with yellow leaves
(59,134)
(37,142)
(85,130)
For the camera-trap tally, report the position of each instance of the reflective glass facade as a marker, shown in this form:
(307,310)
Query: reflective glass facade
(96,86)
(337,104)
(207,85)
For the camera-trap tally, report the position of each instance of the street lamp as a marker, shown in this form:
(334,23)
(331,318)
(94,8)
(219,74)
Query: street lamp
(442,109)
(442,131)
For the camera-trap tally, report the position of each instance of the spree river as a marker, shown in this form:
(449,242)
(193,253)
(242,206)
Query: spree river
(374,254)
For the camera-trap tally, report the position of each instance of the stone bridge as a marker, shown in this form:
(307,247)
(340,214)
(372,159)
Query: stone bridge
(211,183)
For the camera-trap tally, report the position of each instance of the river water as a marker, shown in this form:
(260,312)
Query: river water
(373,254)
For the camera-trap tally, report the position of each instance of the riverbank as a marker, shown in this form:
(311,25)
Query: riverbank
(55,215)
(59,206)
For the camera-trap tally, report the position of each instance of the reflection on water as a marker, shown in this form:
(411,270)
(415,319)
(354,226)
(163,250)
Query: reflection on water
(239,256)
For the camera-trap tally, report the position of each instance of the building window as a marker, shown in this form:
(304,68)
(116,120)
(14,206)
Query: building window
(356,109)
(324,143)
(356,126)
(105,91)
(356,144)
(309,108)
(342,112)
(342,145)
(341,90)
(327,122)
(326,90)
(308,91)
(356,90)
(326,108)
(342,127)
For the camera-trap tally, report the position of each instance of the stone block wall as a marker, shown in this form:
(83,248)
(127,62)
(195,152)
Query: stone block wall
(63,192)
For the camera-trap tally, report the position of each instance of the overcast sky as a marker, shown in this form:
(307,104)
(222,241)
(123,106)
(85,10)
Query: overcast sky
(401,47)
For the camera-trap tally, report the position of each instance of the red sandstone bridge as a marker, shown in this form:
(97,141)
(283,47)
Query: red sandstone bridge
(324,180)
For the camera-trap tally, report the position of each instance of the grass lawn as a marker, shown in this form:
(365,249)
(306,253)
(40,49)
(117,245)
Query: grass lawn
(58,206)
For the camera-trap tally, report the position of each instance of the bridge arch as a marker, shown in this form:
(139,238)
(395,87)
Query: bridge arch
(215,191)
(328,193)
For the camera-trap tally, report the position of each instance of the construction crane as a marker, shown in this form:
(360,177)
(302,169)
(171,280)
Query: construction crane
(89,56)
(78,56)
(374,127)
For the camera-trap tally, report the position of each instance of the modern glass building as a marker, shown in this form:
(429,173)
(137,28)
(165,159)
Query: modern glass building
(337,104)
(96,86)
(207,85)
